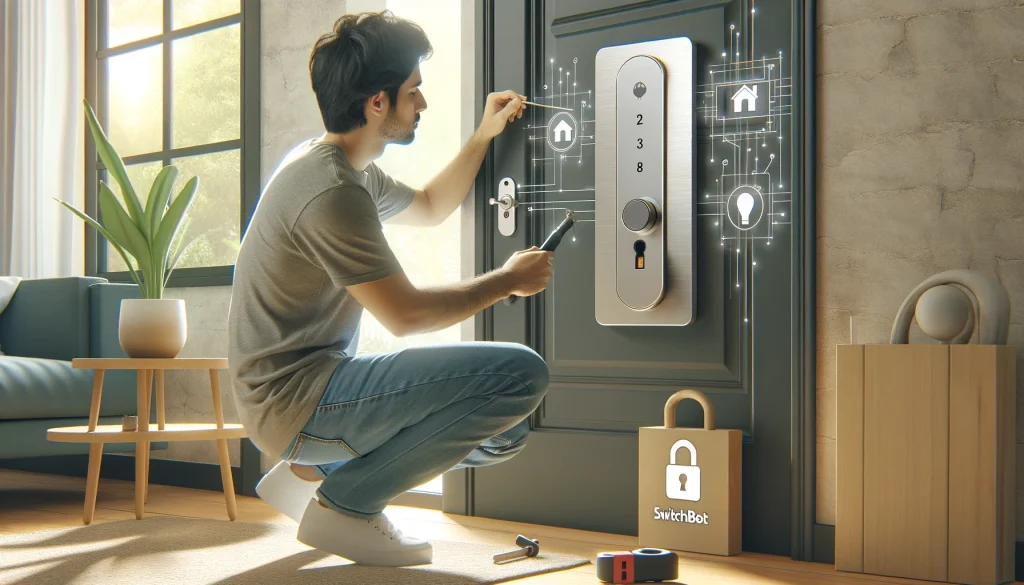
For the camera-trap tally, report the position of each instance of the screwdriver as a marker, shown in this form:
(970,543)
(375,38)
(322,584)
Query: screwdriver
(547,106)
(552,242)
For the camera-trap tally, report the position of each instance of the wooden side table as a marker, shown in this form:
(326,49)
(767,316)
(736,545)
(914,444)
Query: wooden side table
(96,435)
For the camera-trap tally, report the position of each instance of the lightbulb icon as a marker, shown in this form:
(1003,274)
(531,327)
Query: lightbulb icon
(745,203)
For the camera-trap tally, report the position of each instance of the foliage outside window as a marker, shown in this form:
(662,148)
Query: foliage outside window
(168,86)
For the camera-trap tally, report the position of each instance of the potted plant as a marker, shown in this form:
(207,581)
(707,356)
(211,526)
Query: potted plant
(152,326)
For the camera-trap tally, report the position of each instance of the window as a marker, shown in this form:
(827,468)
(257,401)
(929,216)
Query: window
(176,82)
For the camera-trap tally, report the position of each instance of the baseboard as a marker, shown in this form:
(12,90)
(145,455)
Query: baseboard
(824,544)
(190,474)
(1019,570)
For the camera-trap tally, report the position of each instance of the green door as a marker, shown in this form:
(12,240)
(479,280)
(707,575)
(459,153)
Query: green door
(579,469)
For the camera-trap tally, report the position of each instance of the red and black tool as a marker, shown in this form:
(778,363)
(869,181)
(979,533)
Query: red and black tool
(639,566)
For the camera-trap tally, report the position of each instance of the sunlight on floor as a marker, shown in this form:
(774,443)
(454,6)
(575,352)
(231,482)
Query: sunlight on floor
(433,486)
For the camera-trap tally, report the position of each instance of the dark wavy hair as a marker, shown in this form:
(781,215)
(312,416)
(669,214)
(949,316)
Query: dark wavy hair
(364,54)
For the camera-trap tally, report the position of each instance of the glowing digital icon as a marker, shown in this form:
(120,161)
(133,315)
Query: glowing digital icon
(745,207)
(639,89)
(562,132)
(745,203)
(747,96)
(682,482)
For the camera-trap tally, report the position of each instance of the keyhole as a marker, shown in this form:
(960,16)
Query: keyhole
(682,483)
(506,215)
(639,246)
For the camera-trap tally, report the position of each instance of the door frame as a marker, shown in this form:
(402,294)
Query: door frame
(804,286)
(458,486)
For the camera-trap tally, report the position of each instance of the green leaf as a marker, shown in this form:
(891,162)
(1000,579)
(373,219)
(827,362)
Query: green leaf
(174,263)
(114,164)
(105,234)
(172,219)
(159,193)
(126,234)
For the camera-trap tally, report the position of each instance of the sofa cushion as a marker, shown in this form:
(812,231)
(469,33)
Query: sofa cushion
(8,284)
(45,388)
(48,318)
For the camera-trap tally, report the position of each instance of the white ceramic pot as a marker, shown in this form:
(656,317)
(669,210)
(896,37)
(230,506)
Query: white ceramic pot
(152,328)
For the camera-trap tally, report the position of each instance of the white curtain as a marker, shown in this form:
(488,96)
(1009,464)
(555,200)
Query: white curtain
(41,45)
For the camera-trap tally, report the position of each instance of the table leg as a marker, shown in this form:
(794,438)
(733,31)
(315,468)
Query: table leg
(92,482)
(160,399)
(147,451)
(225,477)
(222,448)
(140,459)
(97,393)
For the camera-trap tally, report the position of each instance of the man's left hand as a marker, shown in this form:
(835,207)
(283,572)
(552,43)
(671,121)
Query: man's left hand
(502,107)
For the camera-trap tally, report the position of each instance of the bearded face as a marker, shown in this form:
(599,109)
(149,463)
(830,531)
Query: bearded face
(399,129)
(399,126)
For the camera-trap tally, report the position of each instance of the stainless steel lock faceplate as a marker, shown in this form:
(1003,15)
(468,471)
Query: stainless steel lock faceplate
(644,203)
(640,183)
(506,206)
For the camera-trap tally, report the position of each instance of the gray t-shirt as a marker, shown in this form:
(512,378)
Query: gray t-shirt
(316,229)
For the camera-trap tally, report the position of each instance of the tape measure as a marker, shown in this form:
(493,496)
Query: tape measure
(638,566)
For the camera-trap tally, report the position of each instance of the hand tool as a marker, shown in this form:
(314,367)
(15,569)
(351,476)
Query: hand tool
(552,242)
(547,106)
(530,548)
(639,566)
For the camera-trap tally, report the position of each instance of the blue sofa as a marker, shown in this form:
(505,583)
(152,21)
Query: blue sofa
(47,323)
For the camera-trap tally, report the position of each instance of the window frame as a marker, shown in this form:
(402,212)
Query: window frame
(248,143)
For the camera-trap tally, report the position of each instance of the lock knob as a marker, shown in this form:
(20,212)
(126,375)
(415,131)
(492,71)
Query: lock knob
(639,215)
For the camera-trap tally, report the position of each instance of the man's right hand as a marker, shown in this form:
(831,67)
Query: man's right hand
(528,271)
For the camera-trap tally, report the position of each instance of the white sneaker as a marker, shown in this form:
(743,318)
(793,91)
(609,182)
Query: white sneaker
(374,542)
(285,491)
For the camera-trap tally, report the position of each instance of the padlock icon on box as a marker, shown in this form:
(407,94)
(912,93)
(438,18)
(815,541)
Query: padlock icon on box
(698,507)
(682,482)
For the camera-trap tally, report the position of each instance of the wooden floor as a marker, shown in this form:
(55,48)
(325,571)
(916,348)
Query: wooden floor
(30,502)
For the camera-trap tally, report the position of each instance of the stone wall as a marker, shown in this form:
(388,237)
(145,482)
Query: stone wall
(290,112)
(289,115)
(921,169)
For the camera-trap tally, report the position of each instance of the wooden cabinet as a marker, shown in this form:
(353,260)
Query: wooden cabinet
(926,461)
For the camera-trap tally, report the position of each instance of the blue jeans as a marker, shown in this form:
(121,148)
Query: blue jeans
(388,423)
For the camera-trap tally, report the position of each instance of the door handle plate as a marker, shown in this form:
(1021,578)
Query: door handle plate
(505,206)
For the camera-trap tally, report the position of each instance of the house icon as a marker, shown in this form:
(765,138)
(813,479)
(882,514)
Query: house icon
(563,132)
(745,94)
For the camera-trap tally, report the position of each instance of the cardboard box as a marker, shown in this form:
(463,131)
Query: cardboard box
(690,484)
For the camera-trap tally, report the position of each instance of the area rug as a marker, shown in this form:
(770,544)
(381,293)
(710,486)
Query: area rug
(179,551)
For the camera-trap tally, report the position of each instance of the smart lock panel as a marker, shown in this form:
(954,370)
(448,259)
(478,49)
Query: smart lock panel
(644,232)
(640,183)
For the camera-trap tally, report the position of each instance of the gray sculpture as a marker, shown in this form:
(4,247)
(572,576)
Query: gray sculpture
(951,306)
